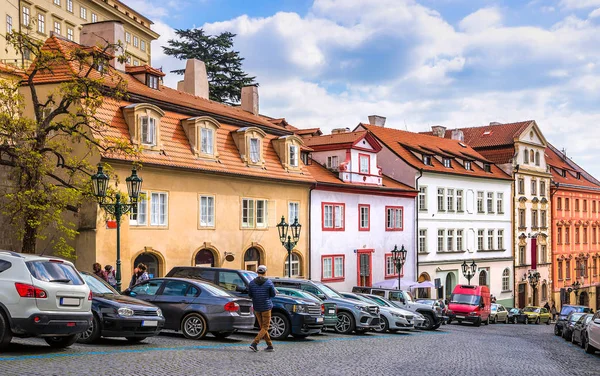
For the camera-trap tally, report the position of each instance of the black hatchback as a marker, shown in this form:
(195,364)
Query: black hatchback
(561,323)
(117,315)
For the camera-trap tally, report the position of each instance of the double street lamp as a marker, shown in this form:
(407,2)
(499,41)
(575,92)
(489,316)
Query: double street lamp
(469,270)
(116,208)
(575,286)
(533,276)
(399,258)
(289,241)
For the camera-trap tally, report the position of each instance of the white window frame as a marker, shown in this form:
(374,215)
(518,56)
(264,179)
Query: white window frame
(450,240)
(441,239)
(295,265)
(254,143)
(490,202)
(94,17)
(26,16)
(293,155)
(500,234)
(42,23)
(394,219)
(83,13)
(459,240)
(136,41)
(9,24)
(422,240)
(140,216)
(254,213)
(363,163)
(293,211)
(143,45)
(468,165)
(331,272)
(70,35)
(447,162)
(57,2)
(533,187)
(206,211)
(490,239)
(506,280)
(422,199)
(459,200)
(364,215)
(159,212)
(148,130)
(127,37)
(480,198)
(207,141)
(480,239)
(499,202)
(57,28)
(333,216)
(70,6)
(450,200)
(390,266)
(441,199)
(332,162)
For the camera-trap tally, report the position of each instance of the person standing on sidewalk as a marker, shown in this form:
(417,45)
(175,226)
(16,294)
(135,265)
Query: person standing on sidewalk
(261,290)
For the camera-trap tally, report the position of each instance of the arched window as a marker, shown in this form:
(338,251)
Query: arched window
(296,270)
(506,280)
(151,262)
(531,156)
(526,157)
(544,292)
(205,257)
(537,158)
(483,278)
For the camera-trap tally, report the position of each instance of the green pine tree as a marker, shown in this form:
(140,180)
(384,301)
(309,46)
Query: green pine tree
(223,65)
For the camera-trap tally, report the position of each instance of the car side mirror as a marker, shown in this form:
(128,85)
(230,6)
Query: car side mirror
(482,305)
(240,289)
(402,300)
(322,296)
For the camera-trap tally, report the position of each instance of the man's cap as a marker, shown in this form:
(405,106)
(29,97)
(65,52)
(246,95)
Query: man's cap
(261,269)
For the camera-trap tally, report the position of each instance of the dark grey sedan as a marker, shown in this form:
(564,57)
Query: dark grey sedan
(195,308)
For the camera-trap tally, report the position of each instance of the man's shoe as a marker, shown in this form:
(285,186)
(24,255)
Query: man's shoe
(253,347)
(269,349)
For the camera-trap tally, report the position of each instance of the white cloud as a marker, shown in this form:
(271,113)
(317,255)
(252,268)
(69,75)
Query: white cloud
(481,20)
(595,13)
(579,4)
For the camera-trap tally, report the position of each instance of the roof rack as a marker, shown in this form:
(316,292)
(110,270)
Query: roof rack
(15,254)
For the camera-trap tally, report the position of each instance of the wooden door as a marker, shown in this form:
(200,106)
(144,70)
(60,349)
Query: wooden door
(522,291)
(364,267)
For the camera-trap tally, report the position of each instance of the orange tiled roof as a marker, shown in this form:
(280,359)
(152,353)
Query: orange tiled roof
(404,143)
(132,69)
(337,138)
(556,160)
(9,69)
(499,155)
(491,135)
(308,132)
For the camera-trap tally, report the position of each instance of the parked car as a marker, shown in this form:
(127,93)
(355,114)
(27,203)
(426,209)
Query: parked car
(591,340)
(432,313)
(328,309)
(352,315)
(537,315)
(42,296)
(564,312)
(579,329)
(290,315)
(390,318)
(418,319)
(117,315)
(436,303)
(517,316)
(572,318)
(499,313)
(470,303)
(194,307)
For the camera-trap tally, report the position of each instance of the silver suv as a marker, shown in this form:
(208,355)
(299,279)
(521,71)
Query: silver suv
(42,297)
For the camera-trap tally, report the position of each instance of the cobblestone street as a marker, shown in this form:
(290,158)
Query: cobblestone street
(452,350)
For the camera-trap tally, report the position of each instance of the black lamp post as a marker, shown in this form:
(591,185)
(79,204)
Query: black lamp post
(469,270)
(289,241)
(575,286)
(399,258)
(116,208)
(533,276)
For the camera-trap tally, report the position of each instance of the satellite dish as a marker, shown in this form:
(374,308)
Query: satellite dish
(229,257)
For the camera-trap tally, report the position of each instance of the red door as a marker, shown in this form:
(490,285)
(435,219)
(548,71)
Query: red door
(364,267)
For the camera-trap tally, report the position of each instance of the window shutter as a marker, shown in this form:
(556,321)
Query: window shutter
(271,213)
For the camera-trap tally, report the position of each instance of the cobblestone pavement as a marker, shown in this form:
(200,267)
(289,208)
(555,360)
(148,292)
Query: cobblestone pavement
(451,350)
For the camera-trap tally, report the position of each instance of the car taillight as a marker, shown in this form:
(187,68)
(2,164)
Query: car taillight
(322,309)
(90,296)
(232,307)
(29,291)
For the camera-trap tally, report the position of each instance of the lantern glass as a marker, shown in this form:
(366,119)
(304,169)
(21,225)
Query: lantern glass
(403,253)
(100,182)
(473,267)
(395,254)
(134,185)
(464,267)
(296,228)
(282,228)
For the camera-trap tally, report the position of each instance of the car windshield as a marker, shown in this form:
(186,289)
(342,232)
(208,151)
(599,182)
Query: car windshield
(465,299)
(380,301)
(494,307)
(248,275)
(366,300)
(331,293)
(514,310)
(97,286)
(568,309)
(214,290)
(576,316)
(531,309)
(54,271)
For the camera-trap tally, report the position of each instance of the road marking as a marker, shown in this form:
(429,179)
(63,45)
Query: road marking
(200,347)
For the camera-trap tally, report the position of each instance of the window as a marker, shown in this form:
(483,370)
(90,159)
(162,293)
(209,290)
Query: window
(69,34)
(447,162)
(295,265)
(254,213)
(293,211)
(440,242)
(560,270)
(480,202)
(500,239)
(522,259)
(143,45)
(459,200)
(332,162)
(483,278)
(567,235)
(533,187)
(207,211)
(594,206)
(467,165)
(459,240)
(206,141)
(576,204)
(585,235)
(558,203)
(440,200)
(57,27)
(506,280)
(585,205)
(293,155)
(487,167)
(576,235)
(450,241)
(148,130)
(83,13)
(394,218)
(333,217)
(364,220)
(422,241)
(568,269)
(490,239)
(594,238)
(534,218)
(70,6)
(136,41)
(537,158)
(158,209)
(543,254)
(521,218)
(332,267)
(490,202)
(450,200)
(25,16)
(9,24)
(364,161)
(127,37)
(94,17)
(559,235)
(521,186)
(567,206)
(531,156)
(422,198)
(41,23)
(542,188)
(594,266)
(480,239)
(152,81)
(500,203)
(137,216)
(57,2)
(526,157)
(543,218)
(128,59)
(427,160)
(390,266)
(254,150)
(147,288)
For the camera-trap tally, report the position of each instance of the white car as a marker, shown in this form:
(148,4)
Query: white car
(393,317)
(591,342)
(42,296)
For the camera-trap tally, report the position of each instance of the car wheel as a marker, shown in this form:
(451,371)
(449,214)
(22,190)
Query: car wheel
(221,335)
(383,325)
(280,326)
(506,320)
(345,323)
(135,339)
(92,334)
(61,342)
(495,321)
(573,339)
(193,326)
(429,322)
(487,321)
(583,340)
(537,321)
(548,321)
(5,333)
(589,348)
(556,330)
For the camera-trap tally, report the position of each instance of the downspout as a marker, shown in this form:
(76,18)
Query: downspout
(310,230)
(417,227)
(556,185)
(514,231)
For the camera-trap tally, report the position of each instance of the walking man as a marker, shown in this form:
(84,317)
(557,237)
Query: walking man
(261,290)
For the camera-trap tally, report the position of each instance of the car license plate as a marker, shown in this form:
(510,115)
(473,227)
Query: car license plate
(149,323)
(71,302)
(460,317)
(332,311)
(319,319)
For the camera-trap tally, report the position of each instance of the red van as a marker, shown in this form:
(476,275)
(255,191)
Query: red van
(470,303)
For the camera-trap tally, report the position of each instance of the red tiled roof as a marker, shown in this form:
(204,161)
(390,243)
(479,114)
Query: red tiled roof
(132,69)
(556,160)
(308,132)
(337,138)
(9,69)
(490,135)
(403,143)
(498,155)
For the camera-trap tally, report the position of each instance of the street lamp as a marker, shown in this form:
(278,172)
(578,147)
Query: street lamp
(575,286)
(469,270)
(116,208)
(289,241)
(399,258)
(533,276)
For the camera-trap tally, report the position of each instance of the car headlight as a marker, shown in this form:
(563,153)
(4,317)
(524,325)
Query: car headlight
(299,308)
(158,312)
(362,308)
(399,315)
(125,312)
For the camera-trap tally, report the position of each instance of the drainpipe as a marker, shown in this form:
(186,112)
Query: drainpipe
(417,227)
(514,230)
(310,231)
(556,185)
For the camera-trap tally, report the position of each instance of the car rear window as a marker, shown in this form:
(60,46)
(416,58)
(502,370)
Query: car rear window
(568,309)
(54,271)
(4,265)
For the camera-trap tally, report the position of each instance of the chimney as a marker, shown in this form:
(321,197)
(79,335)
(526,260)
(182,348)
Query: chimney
(195,80)
(180,85)
(439,131)
(102,33)
(250,99)
(377,120)
(495,123)
(340,130)
(458,135)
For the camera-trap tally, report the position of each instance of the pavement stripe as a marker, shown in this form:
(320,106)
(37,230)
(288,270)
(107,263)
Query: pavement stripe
(200,347)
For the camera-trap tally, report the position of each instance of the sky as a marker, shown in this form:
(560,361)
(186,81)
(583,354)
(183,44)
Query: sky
(456,63)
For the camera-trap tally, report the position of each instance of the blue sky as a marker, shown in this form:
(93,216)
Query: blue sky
(458,63)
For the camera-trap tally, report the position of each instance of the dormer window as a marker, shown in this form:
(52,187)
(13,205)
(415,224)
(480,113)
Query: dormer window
(447,162)
(201,132)
(293,155)
(143,120)
(254,150)
(148,130)
(468,165)
(578,175)
(487,167)
(207,140)
(152,81)
(364,161)
(288,150)
(427,160)
(332,162)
